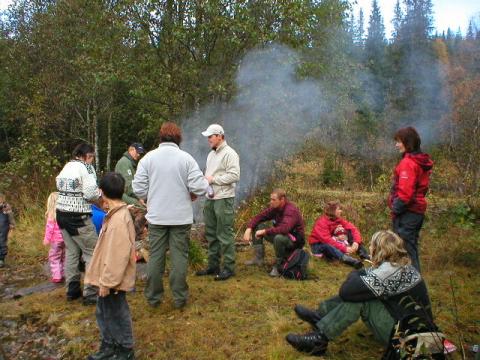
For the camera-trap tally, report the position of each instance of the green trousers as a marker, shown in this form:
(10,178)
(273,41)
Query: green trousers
(338,315)
(218,217)
(282,244)
(177,239)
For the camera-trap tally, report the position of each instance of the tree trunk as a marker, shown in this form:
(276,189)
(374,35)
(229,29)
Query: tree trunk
(95,135)
(109,142)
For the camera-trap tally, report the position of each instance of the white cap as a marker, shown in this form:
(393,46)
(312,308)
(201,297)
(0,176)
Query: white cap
(213,129)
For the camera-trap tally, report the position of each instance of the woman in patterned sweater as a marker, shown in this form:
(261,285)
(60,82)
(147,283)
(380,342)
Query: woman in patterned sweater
(390,291)
(77,187)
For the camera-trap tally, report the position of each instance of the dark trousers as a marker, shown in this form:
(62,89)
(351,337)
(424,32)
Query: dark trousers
(329,251)
(407,226)
(114,319)
(4,229)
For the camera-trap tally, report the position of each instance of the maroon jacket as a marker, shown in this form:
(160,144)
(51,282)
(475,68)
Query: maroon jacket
(324,228)
(287,220)
(411,178)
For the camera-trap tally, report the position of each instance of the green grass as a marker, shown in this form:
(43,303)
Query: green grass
(248,316)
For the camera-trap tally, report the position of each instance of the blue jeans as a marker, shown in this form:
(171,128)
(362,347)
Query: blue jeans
(328,250)
(114,319)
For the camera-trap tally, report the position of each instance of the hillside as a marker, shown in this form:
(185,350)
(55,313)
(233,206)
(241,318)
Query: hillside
(248,316)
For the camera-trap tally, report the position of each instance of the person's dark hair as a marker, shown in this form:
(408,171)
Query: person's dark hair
(330,208)
(112,185)
(170,132)
(409,138)
(82,149)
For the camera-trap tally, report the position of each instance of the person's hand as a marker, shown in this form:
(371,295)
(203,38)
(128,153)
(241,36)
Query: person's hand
(130,206)
(260,233)
(142,202)
(354,247)
(103,291)
(350,250)
(247,236)
(193,197)
(209,179)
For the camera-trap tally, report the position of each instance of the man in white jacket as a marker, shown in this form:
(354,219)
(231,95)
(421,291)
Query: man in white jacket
(222,173)
(168,179)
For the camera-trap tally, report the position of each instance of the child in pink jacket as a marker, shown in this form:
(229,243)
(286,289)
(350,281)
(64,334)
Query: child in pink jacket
(53,236)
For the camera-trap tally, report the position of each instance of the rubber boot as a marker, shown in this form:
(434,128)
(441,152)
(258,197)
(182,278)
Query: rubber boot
(357,264)
(259,251)
(74,290)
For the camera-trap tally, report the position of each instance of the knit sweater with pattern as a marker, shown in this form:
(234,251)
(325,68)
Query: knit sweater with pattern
(77,186)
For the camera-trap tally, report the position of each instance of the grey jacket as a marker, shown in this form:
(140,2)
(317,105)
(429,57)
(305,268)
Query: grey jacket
(165,177)
(224,165)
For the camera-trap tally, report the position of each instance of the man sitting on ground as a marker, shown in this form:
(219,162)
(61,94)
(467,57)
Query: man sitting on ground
(287,233)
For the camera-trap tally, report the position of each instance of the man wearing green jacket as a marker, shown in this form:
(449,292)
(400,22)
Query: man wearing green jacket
(127,166)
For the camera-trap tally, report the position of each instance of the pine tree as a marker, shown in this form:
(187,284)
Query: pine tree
(470,32)
(397,20)
(361,28)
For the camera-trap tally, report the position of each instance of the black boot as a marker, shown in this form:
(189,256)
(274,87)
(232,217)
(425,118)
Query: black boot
(357,264)
(313,343)
(74,290)
(363,253)
(124,353)
(208,271)
(106,351)
(310,316)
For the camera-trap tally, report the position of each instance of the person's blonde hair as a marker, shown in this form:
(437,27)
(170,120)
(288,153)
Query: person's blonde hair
(388,246)
(51,212)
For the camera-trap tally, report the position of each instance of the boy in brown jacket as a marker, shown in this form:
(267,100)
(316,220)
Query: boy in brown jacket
(112,270)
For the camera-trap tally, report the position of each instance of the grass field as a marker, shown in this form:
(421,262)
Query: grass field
(248,316)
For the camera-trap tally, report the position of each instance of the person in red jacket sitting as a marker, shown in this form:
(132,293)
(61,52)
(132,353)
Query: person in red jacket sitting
(336,238)
(411,179)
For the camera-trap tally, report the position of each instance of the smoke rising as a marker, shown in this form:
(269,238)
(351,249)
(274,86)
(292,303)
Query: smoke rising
(274,111)
(269,117)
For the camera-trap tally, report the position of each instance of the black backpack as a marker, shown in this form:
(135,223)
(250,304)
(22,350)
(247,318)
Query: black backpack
(296,265)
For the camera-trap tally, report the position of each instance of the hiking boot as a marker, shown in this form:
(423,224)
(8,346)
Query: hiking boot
(2,263)
(259,255)
(106,351)
(363,253)
(357,264)
(224,275)
(208,271)
(274,272)
(124,353)
(313,343)
(74,291)
(310,316)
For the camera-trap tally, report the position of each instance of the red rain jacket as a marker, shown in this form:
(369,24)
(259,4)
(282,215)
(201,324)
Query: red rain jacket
(324,228)
(411,178)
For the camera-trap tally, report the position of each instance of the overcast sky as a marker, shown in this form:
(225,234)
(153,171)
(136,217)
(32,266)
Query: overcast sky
(447,13)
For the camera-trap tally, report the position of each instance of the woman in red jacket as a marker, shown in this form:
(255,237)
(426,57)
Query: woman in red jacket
(336,238)
(411,178)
